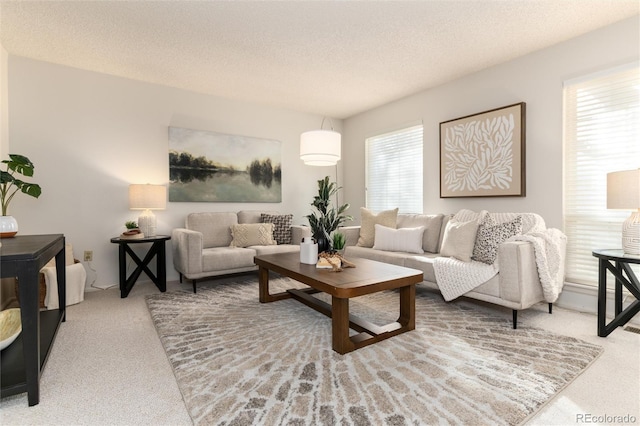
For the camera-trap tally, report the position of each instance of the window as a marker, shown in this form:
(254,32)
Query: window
(394,171)
(601,135)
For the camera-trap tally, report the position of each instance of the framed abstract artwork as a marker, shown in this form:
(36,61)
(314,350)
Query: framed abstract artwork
(207,166)
(483,155)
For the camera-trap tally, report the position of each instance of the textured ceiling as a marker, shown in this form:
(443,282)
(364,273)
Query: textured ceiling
(334,58)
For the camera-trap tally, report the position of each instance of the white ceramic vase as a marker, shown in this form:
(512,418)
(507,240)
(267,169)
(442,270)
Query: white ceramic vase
(8,226)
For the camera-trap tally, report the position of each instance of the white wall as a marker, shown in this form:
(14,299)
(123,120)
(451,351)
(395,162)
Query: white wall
(4,102)
(90,135)
(535,79)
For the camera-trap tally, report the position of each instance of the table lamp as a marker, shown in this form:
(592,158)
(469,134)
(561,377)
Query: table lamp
(147,197)
(623,193)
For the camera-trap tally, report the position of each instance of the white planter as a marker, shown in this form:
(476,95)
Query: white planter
(8,226)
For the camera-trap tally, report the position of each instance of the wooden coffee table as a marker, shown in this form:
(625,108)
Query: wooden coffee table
(366,278)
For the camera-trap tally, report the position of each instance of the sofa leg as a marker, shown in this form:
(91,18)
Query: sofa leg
(180,274)
(194,285)
(515,319)
(550,308)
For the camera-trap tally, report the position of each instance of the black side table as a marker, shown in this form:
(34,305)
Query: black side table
(622,267)
(156,250)
(22,362)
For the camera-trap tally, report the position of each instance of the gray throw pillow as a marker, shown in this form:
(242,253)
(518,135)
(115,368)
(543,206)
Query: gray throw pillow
(490,235)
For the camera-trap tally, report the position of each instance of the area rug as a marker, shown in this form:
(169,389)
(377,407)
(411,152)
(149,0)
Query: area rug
(240,362)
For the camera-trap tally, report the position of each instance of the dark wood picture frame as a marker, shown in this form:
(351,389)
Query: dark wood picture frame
(483,154)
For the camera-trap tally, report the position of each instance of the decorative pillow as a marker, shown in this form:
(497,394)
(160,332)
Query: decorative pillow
(491,235)
(459,239)
(407,240)
(281,226)
(369,220)
(252,234)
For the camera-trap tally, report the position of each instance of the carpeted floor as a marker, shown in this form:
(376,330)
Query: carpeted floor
(240,362)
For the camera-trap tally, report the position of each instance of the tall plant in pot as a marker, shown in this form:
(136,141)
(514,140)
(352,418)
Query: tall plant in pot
(326,219)
(9,187)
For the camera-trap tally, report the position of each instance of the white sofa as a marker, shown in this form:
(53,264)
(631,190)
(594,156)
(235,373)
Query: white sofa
(517,284)
(221,243)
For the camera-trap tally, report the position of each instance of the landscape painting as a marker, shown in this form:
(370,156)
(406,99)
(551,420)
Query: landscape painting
(206,166)
(483,155)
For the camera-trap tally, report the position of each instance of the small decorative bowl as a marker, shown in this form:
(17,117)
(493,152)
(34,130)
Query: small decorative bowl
(10,326)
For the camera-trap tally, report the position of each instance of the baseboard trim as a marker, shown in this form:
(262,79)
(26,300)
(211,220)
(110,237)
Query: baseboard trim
(584,298)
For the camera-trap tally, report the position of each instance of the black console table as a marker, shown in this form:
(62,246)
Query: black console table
(22,361)
(156,250)
(619,268)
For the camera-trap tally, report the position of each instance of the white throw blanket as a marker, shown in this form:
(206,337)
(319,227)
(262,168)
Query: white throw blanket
(76,277)
(547,245)
(456,277)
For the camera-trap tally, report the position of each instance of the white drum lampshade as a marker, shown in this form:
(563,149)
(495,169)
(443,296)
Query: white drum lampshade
(623,193)
(320,147)
(147,197)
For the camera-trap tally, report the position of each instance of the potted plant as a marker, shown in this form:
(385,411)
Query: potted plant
(130,224)
(339,241)
(326,219)
(9,187)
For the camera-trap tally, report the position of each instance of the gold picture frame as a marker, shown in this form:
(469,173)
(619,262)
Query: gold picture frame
(483,155)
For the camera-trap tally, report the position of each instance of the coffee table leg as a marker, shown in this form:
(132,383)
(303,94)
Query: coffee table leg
(263,288)
(263,284)
(340,326)
(407,316)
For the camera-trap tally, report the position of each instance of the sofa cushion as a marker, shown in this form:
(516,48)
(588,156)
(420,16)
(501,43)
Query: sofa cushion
(408,240)
(432,226)
(227,258)
(490,235)
(395,258)
(252,216)
(214,226)
(252,234)
(459,239)
(281,226)
(280,248)
(369,220)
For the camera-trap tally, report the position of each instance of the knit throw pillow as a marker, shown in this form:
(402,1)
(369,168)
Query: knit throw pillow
(369,219)
(490,235)
(252,234)
(281,226)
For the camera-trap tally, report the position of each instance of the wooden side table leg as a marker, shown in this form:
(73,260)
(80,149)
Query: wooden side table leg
(161,268)
(30,317)
(122,263)
(602,297)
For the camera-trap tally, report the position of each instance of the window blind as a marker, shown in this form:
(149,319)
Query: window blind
(601,135)
(394,171)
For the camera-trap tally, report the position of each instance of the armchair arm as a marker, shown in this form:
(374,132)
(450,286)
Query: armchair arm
(518,277)
(187,251)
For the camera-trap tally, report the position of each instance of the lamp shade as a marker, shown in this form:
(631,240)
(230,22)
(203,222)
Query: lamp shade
(623,190)
(623,193)
(320,147)
(147,196)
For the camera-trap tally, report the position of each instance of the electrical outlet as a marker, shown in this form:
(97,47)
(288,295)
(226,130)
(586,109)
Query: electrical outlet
(88,255)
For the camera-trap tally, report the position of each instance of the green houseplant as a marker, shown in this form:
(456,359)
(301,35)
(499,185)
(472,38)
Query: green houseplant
(9,187)
(326,219)
(339,241)
(130,224)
